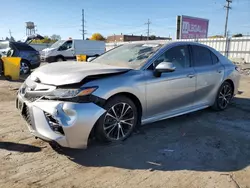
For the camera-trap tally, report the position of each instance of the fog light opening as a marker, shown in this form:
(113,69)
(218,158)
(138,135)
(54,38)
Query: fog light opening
(54,123)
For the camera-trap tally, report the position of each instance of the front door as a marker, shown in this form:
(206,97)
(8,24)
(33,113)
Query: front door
(67,50)
(172,91)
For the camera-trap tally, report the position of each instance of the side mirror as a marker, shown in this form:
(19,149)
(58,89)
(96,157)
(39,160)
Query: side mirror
(163,67)
(90,59)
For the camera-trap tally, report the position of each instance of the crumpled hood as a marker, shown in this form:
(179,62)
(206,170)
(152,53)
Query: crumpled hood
(71,72)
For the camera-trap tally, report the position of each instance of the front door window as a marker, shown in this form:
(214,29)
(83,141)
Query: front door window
(178,55)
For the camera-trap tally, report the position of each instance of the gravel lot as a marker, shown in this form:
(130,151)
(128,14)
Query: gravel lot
(202,149)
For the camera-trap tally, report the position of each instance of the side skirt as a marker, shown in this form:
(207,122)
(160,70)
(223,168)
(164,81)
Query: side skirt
(175,113)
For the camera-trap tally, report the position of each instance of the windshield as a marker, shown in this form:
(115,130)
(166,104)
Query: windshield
(4,45)
(130,55)
(57,44)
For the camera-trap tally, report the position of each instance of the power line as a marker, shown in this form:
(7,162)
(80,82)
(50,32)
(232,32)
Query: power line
(148,23)
(138,31)
(111,24)
(227,6)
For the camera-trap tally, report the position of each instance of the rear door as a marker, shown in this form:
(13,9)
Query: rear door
(209,74)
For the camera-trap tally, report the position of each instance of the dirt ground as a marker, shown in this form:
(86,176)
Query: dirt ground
(202,149)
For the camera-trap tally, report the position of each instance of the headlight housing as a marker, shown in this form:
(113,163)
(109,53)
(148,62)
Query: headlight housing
(70,93)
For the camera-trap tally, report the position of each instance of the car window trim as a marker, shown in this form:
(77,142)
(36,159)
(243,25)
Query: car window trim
(194,60)
(190,55)
(212,57)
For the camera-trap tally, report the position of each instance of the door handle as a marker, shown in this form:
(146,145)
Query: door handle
(190,75)
(219,71)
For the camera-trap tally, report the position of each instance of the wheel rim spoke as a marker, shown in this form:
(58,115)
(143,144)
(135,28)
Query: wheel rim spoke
(223,103)
(108,114)
(113,109)
(126,111)
(225,89)
(226,101)
(228,92)
(118,133)
(124,122)
(122,131)
(123,107)
(110,131)
(129,119)
(109,126)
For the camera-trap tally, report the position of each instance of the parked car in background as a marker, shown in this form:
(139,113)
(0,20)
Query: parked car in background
(133,84)
(30,58)
(68,49)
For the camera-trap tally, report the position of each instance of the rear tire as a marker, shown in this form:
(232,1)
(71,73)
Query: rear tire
(24,67)
(118,122)
(223,97)
(1,67)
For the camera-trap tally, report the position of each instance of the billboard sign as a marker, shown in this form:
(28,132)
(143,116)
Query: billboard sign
(191,28)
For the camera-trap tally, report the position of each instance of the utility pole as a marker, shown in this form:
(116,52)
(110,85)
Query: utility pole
(83,30)
(227,6)
(10,33)
(148,23)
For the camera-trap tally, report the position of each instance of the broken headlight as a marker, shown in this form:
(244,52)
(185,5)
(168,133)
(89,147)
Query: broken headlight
(70,93)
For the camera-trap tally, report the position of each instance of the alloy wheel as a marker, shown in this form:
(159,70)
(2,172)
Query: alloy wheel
(24,68)
(225,96)
(119,121)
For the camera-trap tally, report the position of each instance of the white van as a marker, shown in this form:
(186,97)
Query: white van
(64,50)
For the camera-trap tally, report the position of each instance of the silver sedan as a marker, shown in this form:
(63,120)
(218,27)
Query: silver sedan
(134,84)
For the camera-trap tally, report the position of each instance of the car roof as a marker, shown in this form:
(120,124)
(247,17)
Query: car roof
(168,42)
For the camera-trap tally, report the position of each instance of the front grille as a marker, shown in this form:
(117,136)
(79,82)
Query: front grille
(54,123)
(26,114)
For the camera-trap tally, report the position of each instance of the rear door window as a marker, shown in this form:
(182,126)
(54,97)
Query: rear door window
(202,56)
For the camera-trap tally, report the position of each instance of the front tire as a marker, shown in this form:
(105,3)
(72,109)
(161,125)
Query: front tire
(118,122)
(59,59)
(224,96)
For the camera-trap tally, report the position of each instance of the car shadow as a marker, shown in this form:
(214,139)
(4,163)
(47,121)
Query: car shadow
(22,78)
(202,141)
(10,146)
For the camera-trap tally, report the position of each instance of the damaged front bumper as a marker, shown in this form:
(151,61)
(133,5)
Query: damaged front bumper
(67,123)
